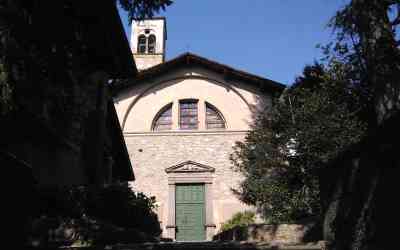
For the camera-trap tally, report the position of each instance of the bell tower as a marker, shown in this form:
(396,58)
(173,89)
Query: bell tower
(148,39)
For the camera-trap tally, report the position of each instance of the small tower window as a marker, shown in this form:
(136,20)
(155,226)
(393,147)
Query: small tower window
(163,120)
(152,44)
(188,114)
(142,44)
(214,119)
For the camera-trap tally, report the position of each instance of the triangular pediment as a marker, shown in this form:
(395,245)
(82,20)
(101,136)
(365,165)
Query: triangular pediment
(189,167)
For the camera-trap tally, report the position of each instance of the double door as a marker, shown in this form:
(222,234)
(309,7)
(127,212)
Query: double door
(190,212)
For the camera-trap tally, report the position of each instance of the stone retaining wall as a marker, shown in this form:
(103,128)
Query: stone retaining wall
(275,234)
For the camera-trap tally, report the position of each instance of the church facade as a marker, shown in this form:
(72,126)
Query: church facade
(180,119)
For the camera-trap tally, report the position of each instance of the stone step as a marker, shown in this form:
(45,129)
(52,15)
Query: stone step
(215,246)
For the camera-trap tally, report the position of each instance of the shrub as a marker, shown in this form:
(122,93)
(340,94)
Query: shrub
(239,219)
(95,214)
(121,206)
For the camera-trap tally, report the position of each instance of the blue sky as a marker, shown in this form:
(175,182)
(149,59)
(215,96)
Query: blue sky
(270,38)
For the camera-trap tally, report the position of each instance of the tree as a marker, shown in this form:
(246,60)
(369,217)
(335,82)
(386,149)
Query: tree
(29,54)
(281,158)
(138,9)
(5,91)
(367,41)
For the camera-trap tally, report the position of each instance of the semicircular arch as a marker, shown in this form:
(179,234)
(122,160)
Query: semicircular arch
(150,88)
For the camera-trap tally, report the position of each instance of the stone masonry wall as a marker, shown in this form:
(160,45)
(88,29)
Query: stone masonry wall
(152,153)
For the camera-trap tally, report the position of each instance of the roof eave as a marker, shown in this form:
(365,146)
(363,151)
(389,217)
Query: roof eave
(264,84)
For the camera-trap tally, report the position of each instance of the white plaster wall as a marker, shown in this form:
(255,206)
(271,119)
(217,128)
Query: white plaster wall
(144,61)
(138,106)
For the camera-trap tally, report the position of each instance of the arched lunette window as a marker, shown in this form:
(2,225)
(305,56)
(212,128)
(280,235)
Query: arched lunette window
(188,117)
(142,40)
(151,49)
(214,118)
(163,119)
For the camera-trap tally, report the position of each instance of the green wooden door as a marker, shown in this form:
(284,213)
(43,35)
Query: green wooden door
(189,212)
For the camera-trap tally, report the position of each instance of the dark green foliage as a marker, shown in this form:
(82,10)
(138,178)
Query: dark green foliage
(139,9)
(115,205)
(121,206)
(368,44)
(239,219)
(281,158)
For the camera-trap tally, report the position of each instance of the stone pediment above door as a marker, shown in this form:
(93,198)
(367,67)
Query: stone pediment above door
(189,167)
